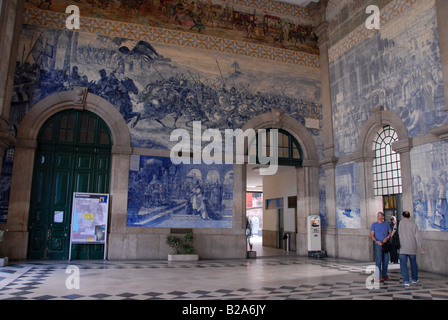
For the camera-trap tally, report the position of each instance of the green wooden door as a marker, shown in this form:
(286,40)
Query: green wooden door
(73,155)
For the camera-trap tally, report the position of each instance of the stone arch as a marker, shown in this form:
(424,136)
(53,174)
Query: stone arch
(380,119)
(25,147)
(307,176)
(366,155)
(278,120)
(79,99)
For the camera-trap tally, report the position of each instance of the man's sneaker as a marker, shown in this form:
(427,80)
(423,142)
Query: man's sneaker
(415,282)
(385,278)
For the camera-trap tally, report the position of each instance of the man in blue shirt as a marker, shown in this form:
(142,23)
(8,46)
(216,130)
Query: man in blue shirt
(380,232)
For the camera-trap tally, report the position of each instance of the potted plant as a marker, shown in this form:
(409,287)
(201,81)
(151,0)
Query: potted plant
(4,260)
(250,252)
(183,249)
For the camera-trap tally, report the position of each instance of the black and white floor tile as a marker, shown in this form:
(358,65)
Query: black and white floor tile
(280,278)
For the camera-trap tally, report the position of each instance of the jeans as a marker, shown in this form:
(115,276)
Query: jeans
(404,267)
(381,261)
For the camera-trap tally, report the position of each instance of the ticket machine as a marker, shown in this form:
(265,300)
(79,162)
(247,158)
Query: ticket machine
(314,234)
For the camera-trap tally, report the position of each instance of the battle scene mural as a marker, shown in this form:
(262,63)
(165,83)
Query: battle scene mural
(157,88)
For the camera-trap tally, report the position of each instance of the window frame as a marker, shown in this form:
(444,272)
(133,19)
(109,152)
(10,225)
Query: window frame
(387,163)
(292,145)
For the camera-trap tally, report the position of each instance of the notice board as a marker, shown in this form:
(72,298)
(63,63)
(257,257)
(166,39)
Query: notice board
(90,212)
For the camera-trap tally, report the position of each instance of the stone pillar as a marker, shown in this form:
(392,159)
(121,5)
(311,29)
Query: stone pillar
(403,148)
(330,232)
(11,13)
(19,201)
(369,207)
(307,202)
(328,163)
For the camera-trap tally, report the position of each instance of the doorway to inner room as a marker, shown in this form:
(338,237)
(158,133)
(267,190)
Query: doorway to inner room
(271,208)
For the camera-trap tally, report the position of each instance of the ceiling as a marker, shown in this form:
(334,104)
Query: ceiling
(301,3)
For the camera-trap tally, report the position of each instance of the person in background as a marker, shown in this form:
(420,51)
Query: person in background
(411,243)
(394,248)
(380,232)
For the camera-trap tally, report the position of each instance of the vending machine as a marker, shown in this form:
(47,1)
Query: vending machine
(314,234)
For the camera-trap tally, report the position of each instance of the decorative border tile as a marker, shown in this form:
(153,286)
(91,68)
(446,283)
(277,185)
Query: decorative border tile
(110,28)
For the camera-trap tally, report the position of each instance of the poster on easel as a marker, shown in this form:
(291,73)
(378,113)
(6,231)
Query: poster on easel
(90,213)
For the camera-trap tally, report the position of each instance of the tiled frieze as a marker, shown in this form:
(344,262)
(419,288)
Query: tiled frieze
(110,28)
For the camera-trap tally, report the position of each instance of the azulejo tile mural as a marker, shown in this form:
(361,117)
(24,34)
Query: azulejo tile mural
(353,13)
(322,198)
(398,67)
(165,195)
(348,205)
(429,165)
(156,87)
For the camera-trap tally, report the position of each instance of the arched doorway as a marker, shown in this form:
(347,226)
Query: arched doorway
(26,146)
(294,189)
(73,155)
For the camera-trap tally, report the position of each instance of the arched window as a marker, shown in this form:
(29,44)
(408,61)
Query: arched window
(288,149)
(386,166)
(73,127)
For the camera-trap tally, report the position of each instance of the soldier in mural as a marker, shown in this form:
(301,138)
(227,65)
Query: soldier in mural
(106,68)
(154,95)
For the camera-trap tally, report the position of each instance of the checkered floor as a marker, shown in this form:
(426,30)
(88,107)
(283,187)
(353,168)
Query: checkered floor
(281,278)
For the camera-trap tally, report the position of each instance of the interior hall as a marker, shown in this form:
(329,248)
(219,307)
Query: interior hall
(243,135)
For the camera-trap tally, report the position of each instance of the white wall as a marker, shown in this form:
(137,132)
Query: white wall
(281,185)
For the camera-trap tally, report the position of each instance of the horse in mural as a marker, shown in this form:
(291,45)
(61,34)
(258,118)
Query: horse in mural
(170,98)
(154,100)
(155,110)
